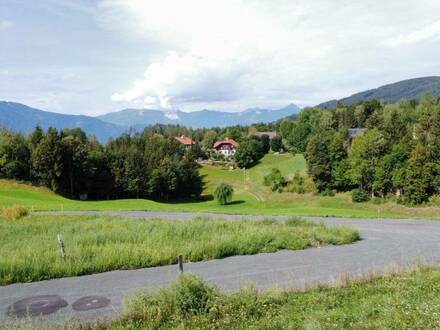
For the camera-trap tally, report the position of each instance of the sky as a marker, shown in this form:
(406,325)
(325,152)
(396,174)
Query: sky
(93,57)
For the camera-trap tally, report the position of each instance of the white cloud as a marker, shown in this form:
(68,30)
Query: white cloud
(432,31)
(233,54)
(5,24)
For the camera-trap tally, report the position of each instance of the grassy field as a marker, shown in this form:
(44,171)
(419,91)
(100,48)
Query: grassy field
(94,244)
(250,197)
(404,301)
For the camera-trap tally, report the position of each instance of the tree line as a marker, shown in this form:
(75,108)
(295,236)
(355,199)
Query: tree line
(143,165)
(379,149)
(150,164)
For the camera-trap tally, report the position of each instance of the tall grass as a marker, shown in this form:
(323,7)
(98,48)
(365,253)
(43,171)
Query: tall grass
(29,247)
(14,212)
(399,301)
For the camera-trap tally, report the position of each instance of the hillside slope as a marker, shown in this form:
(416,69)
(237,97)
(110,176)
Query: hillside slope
(391,93)
(21,118)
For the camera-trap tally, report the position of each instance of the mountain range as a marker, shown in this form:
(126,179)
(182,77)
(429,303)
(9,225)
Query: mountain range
(21,118)
(137,118)
(391,93)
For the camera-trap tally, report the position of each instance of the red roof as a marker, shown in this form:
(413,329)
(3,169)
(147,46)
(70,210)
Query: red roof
(227,141)
(185,140)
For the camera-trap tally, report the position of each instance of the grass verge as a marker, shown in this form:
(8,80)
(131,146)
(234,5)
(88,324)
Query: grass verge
(97,244)
(402,301)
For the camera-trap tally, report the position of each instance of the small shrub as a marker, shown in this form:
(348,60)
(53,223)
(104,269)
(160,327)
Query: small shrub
(301,184)
(193,295)
(434,200)
(275,180)
(13,212)
(217,156)
(187,297)
(327,192)
(359,196)
(308,185)
(223,193)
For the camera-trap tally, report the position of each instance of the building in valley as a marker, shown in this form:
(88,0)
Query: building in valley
(226,147)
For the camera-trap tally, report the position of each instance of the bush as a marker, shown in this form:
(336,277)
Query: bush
(217,156)
(275,180)
(223,193)
(327,192)
(276,144)
(359,196)
(187,297)
(193,295)
(13,212)
(301,184)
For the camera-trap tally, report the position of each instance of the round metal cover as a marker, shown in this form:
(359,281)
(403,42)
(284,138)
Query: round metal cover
(37,305)
(90,302)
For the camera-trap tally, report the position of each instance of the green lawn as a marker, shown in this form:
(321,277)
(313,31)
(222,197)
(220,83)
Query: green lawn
(250,197)
(404,301)
(94,244)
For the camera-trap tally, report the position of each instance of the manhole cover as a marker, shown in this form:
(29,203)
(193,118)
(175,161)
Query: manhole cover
(90,302)
(37,305)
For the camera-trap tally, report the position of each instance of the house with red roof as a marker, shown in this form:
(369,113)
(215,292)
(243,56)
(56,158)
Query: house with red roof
(226,147)
(186,141)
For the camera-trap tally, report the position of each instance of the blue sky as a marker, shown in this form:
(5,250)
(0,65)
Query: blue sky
(92,57)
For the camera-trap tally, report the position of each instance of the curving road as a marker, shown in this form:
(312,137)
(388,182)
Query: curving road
(385,245)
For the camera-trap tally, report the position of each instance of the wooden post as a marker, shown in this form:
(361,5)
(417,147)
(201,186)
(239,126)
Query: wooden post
(180,262)
(61,242)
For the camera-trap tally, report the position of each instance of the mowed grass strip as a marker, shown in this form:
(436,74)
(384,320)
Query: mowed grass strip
(94,244)
(403,301)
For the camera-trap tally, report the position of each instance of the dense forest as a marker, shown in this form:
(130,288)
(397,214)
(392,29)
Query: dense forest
(376,148)
(77,166)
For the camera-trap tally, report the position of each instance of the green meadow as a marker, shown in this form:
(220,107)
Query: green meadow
(96,244)
(250,197)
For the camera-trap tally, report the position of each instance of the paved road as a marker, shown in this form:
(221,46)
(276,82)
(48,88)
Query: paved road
(385,244)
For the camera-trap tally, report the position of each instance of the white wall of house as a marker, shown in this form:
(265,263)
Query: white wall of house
(227,152)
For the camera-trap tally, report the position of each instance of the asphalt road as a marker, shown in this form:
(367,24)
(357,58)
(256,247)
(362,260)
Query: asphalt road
(386,245)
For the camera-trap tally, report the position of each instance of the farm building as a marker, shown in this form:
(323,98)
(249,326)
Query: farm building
(226,147)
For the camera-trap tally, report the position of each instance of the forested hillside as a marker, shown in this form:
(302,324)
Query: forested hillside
(394,150)
(407,89)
